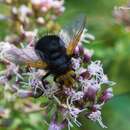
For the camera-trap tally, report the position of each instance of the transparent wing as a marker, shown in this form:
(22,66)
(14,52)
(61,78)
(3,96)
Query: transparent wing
(71,34)
(32,59)
(22,56)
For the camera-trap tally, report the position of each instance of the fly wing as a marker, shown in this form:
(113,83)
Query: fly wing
(21,56)
(32,59)
(71,34)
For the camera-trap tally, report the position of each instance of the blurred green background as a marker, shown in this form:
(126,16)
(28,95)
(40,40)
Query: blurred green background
(112,47)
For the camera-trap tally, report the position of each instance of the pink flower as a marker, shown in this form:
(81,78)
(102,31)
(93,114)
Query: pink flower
(96,116)
(91,92)
(106,95)
(56,126)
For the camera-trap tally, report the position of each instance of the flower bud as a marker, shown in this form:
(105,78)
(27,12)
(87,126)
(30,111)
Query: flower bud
(106,95)
(81,50)
(14,11)
(36,4)
(91,92)
(40,20)
(86,57)
(76,51)
(85,75)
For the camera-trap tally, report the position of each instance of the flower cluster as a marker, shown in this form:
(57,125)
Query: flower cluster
(122,16)
(90,90)
(30,14)
(46,5)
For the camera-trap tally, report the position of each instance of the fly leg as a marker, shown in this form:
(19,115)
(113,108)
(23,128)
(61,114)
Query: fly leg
(40,90)
(47,74)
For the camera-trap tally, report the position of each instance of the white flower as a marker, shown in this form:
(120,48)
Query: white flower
(95,68)
(92,83)
(3,80)
(86,37)
(40,20)
(30,35)
(98,106)
(96,116)
(4,113)
(75,111)
(36,1)
(88,52)
(50,90)
(57,4)
(14,10)
(80,70)
(54,126)
(24,10)
(69,91)
(76,63)
(4,46)
(105,80)
(77,96)
(71,115)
